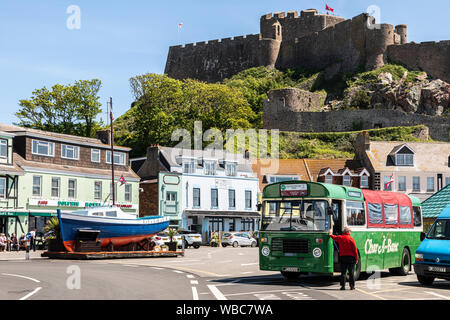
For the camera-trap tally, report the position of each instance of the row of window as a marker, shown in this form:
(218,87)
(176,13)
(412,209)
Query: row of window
(72,189)
(196,200)
(209,167)
(70,152)
(401,186)
(347,180)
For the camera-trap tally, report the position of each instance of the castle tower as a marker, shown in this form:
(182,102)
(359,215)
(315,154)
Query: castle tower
(402,31)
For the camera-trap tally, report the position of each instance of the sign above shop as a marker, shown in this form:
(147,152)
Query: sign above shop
(75,204)
(294,190)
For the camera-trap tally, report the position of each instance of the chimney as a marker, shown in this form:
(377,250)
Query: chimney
(104,136)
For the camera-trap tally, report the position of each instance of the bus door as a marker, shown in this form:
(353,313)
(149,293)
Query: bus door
(337,230)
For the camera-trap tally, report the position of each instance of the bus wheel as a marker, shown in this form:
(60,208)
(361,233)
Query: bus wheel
(290,275)
(426,281)
(405,264)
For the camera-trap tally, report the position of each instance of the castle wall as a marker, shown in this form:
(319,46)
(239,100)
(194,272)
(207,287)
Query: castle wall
(431,57)
(350,43)
(348,120)
(216,60)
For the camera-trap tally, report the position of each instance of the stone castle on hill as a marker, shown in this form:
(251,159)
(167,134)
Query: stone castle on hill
(310,40)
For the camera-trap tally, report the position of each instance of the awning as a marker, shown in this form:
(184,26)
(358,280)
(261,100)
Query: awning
(227,214)
(12,213)
(43,214)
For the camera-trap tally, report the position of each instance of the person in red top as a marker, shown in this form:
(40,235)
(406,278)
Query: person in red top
(348,256)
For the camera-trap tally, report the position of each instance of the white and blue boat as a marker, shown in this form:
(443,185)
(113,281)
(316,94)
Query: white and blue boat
(116,227)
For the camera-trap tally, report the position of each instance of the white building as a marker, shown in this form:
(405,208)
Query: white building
(218,192)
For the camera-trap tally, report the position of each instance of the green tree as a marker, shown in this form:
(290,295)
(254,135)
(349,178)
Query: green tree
(164,104)
(69,109)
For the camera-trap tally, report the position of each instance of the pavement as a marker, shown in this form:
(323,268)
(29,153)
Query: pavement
(203,274)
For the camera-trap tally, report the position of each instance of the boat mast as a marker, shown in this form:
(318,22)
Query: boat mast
(112,154)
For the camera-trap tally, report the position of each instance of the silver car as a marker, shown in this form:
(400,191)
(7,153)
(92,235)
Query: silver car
(236,239)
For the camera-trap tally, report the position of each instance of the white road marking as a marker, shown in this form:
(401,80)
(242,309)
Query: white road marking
(190,276)
(256,292)
(194,282)
(437,295)
(248,272)
(267,296)
(216,292)
(158,268)
(31,293)
(19,276)
(177,271)
(194,293)
(297,295)
(249,264)
(130,265)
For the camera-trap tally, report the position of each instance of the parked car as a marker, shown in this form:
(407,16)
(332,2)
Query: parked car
(432,256)
(236,239)
(191,238)
(160,239)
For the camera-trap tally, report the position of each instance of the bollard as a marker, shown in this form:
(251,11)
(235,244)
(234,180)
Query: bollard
(182,242)
(27,254)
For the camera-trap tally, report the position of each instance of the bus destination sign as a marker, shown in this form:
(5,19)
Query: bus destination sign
(294,190)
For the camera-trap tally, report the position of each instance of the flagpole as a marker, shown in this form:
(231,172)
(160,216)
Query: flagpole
(112,153)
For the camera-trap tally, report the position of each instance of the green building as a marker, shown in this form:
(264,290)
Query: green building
(434,205)
(65,172)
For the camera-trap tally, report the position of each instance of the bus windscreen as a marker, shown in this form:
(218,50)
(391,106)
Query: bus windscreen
(298,215)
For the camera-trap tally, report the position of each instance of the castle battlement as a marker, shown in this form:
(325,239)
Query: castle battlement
(239,39)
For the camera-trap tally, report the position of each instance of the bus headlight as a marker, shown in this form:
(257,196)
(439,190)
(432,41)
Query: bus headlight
(419,257)
(265,251)
(317,253)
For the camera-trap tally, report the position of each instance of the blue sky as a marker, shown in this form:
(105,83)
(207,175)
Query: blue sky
(121,39)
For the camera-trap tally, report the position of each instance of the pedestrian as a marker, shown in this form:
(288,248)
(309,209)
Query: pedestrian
(14,242)
(348,256)
(33,239)
(3,242)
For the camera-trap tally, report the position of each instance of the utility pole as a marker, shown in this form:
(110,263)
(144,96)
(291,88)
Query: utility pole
(113,187)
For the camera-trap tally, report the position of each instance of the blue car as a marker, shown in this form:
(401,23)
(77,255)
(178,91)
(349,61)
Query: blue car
(433,255)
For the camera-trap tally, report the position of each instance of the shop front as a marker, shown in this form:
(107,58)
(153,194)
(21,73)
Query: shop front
(12,221)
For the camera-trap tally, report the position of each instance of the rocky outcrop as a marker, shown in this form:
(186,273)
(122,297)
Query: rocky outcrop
(420,95)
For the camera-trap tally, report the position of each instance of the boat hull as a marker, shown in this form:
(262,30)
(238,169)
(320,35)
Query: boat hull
(119,232)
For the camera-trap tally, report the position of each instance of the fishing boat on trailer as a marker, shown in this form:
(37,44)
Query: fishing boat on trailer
(115,227)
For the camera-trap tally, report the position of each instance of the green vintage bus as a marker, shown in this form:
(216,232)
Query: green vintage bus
(297,216)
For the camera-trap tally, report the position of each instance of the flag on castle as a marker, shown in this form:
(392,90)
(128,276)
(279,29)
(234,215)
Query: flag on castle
(328,8)
(391,180)
(180,25)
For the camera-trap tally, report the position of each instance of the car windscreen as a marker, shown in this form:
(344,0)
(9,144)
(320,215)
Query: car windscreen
(440,230)
(296,215)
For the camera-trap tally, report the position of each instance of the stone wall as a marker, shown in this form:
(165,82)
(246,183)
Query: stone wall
(294,99)
(431,57)
(215,60)
(348,120)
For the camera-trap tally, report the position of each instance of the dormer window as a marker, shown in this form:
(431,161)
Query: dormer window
(69,152)
(364,181)
(347,180)
(3,148)
(209,167)
(329,179)
(43,148)
(230,169)
(402,156)
(119,158)
(402,159)
(188,166)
